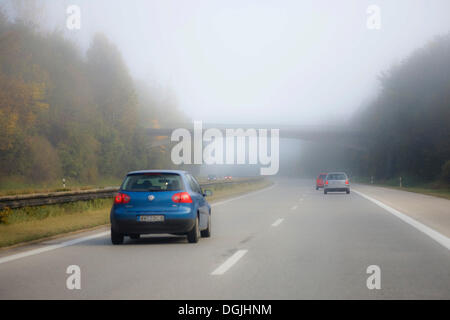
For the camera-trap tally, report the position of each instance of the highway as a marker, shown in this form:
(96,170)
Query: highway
(288,241)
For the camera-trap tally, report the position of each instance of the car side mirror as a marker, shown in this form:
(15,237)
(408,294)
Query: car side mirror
(207,193)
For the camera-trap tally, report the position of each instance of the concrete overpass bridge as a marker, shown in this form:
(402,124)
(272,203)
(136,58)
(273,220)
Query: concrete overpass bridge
(352,139)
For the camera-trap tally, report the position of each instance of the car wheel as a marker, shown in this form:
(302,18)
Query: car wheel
(348,191)
(116,238)
(135,236)
(325,191)
(317,188)
(194,234)
(207,232)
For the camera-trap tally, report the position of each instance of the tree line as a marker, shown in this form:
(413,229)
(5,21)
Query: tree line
(407,124)
(69,114)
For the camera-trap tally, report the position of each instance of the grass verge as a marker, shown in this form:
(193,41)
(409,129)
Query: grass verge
(19,185)
(436,188)
(441,193)
(230,190)
(430,190)
(29,224)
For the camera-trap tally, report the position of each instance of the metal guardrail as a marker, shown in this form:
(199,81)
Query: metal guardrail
(40,199)
(225,182)
(31,200)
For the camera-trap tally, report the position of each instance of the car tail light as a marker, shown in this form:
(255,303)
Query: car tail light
(121,198)
(346,181)
(181,197)
(326,182)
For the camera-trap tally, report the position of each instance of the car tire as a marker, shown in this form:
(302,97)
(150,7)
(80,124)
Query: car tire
(135,236)
(348,191)
(116,238)
(194,234)
(207,232)
(325,191)
(317,188)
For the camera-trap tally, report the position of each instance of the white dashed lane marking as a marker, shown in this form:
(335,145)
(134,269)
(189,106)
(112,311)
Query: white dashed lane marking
(231,261)
(277,223)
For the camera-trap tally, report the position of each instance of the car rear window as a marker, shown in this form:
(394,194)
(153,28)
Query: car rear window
(153,182)
(322,176)
(336,176)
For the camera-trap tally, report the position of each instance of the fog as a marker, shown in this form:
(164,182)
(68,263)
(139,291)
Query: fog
(375,69)
(295,62)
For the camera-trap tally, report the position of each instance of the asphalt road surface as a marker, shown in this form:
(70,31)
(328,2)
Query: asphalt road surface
(285,242)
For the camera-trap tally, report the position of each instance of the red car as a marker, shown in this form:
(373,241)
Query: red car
(320,180)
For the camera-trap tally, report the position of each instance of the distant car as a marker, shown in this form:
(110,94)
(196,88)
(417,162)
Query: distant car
(212,177)
(320,181)
(153,201)
(228,178)
(336,181)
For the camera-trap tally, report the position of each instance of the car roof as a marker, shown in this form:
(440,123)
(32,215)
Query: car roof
(157,171)
(337,172)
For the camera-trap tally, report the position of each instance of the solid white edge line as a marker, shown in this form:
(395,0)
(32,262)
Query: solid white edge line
(294,207)
(278,222)
(224,267)
(243,196)
(51,247)
(101,234)
(438,237)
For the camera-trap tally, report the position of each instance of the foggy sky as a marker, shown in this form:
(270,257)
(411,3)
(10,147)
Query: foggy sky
(302,62)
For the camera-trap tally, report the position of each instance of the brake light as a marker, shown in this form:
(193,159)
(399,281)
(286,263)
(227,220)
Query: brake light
(326,182)
(346,181)
(121,198)
(181,197)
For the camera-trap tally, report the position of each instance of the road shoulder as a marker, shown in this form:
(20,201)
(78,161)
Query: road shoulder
(431,211)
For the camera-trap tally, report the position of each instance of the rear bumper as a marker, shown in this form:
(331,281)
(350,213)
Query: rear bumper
(173,223)
(342,189)
(168,226)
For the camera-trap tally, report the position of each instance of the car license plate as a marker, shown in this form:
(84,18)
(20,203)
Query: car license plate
(151,218)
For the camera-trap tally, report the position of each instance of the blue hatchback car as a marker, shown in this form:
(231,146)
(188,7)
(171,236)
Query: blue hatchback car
(160,201)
